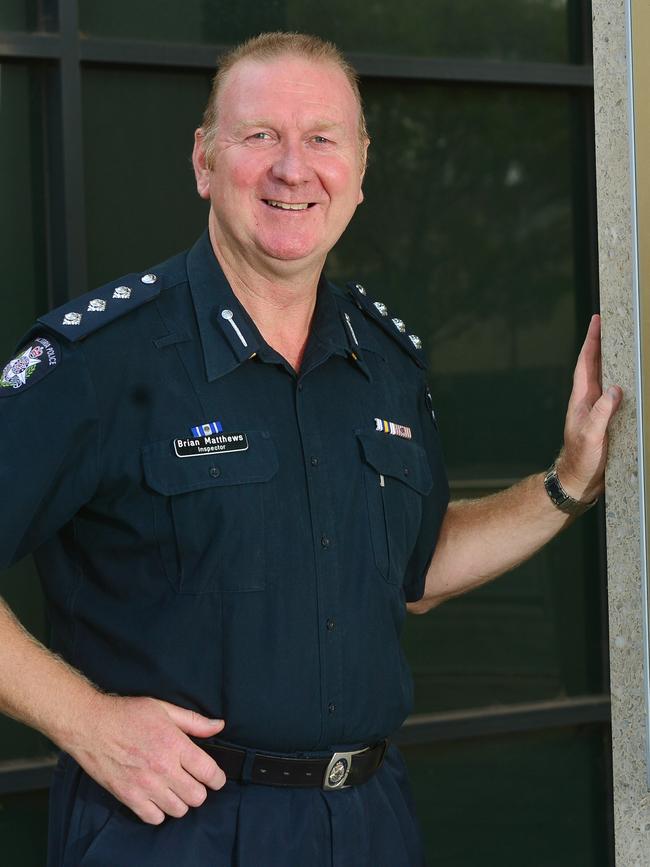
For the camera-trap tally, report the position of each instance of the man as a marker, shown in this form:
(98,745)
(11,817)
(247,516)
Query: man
(241,495)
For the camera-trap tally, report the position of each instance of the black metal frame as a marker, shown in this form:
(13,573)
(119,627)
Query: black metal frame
(63,52)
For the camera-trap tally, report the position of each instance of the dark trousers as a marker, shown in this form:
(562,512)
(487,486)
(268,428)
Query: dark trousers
(241,825)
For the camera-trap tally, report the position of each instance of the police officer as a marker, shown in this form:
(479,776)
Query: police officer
(240,495)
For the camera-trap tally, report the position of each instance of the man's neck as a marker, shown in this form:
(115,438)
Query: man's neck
(281,306)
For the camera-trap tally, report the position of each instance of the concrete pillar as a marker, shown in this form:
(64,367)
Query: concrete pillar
(615,123)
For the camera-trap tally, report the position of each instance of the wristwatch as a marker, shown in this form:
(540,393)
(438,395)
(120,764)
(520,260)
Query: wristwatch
(559,496)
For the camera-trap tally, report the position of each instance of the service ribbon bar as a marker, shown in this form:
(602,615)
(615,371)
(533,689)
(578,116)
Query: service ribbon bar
(391,427)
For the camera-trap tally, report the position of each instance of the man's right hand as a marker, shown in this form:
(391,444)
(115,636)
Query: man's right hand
(139,749)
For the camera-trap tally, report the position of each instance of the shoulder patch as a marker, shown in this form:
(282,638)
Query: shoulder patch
(34,361)
(80,317)
(392,325)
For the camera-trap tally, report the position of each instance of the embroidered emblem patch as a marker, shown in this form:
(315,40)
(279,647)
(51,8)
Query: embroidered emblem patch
(34,362)
(206,429)
(213,444)
(389,427)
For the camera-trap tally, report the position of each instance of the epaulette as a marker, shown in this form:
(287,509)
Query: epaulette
(89,312)
(393,326)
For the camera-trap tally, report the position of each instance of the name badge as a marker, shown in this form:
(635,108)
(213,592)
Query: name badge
(215,444)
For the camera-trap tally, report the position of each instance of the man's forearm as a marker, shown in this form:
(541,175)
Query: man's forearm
(37,687)
(480,539)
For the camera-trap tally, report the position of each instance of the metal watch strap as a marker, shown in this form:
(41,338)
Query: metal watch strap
(565,502)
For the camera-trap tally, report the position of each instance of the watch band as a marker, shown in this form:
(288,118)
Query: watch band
(565,502)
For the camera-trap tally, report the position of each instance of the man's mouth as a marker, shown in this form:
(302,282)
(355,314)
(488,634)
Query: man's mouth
(289,206)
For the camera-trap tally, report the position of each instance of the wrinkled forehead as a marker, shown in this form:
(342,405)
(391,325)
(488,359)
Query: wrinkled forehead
(287,84)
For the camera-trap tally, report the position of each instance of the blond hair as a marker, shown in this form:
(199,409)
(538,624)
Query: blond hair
(271,46)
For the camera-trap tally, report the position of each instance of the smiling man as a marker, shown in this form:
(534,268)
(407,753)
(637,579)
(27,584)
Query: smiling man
(242,495)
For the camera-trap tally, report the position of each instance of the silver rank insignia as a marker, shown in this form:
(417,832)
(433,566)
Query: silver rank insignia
(122,292)
(148,278)
(415,340)
(360,288)
(381,307)
(71,319)
(396,430)
(97,305)
(399,325)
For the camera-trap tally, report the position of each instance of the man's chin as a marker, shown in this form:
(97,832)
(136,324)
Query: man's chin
(291,255)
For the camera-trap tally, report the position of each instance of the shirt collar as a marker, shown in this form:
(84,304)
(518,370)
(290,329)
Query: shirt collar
(229,336)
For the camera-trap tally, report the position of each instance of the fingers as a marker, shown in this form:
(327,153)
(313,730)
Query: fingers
(202,767)
(603,411)
(587,377)
(193,723)
(149,813)
(168,801)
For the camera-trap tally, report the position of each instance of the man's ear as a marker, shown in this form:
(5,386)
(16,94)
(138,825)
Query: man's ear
(364,165)
(201,170)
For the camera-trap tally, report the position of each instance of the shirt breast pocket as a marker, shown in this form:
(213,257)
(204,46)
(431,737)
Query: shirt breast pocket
(396,476)
(212,514)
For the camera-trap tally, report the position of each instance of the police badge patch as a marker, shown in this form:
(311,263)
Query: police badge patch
(35,361)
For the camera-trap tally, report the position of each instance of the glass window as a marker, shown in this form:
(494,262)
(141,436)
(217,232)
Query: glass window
(141,202)
(531,799)
(23,829)
(17,15)
(22,203)
(466,233)
(503,29)
(22,253)
(532,635)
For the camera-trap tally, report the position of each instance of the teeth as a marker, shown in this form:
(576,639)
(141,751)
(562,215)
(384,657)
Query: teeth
(286,206)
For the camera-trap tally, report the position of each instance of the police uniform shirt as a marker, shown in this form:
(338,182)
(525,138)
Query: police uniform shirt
(212,528)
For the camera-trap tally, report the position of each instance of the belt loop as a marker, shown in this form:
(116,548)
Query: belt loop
(247,767)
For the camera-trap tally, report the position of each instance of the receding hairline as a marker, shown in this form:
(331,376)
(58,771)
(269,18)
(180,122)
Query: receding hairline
(269,48)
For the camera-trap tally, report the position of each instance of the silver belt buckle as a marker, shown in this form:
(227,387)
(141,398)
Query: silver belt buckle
(336,773)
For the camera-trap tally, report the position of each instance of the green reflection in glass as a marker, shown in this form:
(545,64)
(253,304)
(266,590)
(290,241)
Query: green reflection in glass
(467,234)
(23,296)
(502,29)
(17,15)
(23,829)
(21,204)
(531,635)
(535,799)
(141,203)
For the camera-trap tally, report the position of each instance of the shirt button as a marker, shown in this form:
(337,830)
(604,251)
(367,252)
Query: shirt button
(314,461)
(215,472)
(331,707)
(406,471)
(325,541)
(300,387)
(330,624)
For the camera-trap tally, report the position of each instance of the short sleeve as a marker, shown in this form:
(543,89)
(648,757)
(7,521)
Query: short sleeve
(434,505)
(49,441)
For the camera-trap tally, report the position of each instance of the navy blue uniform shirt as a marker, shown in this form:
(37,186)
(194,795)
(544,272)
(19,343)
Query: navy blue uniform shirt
(213,528)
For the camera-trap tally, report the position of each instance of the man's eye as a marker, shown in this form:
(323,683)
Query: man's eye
(320,139)
(260,136)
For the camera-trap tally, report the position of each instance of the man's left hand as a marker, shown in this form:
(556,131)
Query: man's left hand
(581,463)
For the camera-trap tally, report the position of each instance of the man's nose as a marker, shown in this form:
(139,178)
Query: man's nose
(292,165)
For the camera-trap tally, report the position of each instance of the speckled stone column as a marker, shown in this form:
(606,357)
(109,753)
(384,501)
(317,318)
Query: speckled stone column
(631,798)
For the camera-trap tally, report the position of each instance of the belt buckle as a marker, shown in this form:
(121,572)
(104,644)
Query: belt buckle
(336,772)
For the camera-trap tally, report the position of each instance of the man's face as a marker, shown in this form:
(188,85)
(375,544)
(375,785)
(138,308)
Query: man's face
(287,168)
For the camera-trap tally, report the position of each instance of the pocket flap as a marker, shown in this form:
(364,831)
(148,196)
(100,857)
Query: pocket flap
(398,458)
(169,474)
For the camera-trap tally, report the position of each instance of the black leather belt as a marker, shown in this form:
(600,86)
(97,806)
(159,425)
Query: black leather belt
(337,771)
